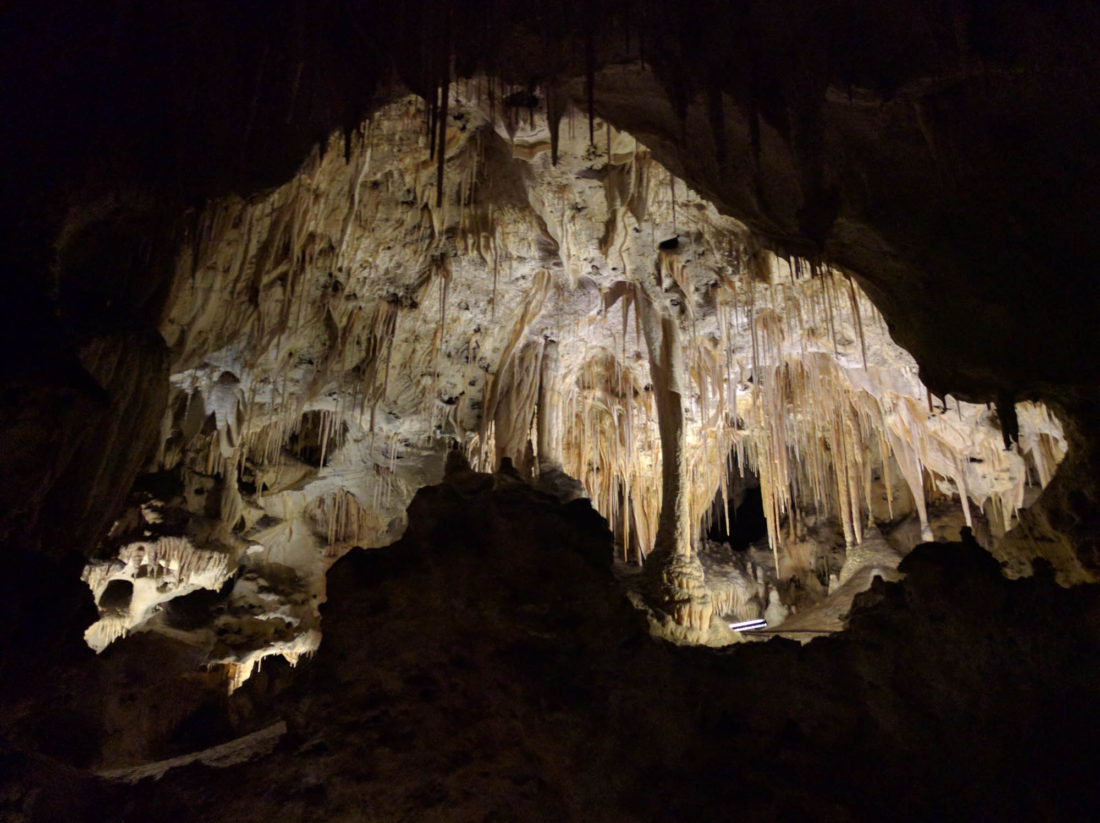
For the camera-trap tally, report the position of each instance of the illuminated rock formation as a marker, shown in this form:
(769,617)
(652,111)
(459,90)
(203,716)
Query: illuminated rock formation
(332,340)
(269,272)
(677,583)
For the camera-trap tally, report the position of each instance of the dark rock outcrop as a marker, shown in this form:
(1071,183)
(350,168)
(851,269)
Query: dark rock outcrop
(486,668)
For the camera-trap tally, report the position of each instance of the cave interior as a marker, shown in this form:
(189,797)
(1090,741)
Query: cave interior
(401,403)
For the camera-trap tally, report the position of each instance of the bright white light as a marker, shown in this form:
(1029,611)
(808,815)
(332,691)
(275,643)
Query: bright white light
(749,625)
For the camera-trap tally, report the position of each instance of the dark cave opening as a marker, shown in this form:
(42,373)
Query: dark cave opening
(317,438)
(740,523)
(117,596)
(747,523)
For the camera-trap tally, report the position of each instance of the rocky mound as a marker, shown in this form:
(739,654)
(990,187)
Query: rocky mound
(485,667)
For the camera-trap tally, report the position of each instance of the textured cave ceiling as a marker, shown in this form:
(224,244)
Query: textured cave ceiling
(312,248)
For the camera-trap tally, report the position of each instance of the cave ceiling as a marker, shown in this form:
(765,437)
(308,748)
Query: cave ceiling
(936,151)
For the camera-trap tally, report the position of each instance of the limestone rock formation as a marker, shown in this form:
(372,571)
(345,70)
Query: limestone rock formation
(270,271)
(329,342)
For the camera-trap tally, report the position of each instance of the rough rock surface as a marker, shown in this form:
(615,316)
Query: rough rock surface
(936,152)
(485,668)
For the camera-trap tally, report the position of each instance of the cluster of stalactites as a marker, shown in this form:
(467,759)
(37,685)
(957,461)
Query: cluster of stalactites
(277,270)
(285,271)
(239,671)
(156,570)
(791,389)
(774,383)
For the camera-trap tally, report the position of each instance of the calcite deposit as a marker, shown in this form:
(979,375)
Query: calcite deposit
(549,297)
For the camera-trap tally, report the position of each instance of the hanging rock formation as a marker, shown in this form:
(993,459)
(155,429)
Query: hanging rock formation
(331,341)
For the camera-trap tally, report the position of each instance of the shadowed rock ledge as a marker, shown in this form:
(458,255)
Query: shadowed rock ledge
(486,668)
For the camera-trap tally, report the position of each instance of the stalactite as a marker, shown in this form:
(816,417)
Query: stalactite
(827,299)
(590,86)
(505,383)
(717,117)
(445,96)
(1006,413)
(554,111)
(432,114)
(672,193)
(859,320)
(496,278)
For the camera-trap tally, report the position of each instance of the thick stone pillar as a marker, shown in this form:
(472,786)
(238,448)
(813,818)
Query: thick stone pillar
(675,582)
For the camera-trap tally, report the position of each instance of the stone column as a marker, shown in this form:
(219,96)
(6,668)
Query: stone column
(548,423)
(675,582)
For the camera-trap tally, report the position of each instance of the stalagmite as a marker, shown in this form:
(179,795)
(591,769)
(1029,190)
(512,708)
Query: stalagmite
(676,578)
